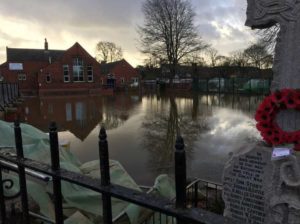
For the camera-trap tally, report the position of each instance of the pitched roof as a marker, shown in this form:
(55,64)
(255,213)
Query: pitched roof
(107,67)
(21,54)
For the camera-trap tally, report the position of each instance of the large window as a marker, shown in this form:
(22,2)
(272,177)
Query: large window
(90,76)
(77,70)
(66,73)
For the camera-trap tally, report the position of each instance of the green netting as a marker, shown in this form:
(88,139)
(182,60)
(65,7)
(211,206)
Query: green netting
(163,186)
(79,203)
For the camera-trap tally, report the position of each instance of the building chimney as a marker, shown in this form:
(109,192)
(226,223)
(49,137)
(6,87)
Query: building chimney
(46,44)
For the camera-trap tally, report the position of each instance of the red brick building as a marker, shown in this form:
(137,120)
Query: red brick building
(119,74)
(44,71)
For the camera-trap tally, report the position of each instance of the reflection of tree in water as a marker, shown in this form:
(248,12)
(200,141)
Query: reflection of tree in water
(195,106)
(113,120)
(160,130)
(246,103)
(117,110)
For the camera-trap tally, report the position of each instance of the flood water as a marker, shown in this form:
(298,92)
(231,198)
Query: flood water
(142,129)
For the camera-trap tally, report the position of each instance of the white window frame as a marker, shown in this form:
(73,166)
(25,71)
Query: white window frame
(90,76)
(134,79)
(78,71)
(66,69)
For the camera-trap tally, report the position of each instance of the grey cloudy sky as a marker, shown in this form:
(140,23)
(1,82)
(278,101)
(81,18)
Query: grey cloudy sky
(26,24)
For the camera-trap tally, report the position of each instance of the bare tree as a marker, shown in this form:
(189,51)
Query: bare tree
(258,56)
(239,58)
(151,62)
(108,51)
(194,58)
(268,37)
(169,31)
(224,60)
(212,55)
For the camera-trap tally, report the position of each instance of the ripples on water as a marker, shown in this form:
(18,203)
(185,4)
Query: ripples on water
(142,129)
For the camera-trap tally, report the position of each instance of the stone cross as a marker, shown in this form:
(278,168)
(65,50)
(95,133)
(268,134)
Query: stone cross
(283,200)
(266,13)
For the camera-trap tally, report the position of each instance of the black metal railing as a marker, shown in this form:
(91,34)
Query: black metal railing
(177,210)
(9,93)
(200,193)
(205,194)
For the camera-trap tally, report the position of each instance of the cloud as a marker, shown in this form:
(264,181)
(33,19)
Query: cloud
(222,24)
(27,23)
(208,31)
(77,13)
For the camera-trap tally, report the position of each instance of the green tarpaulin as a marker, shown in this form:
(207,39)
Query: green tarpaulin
(79,203)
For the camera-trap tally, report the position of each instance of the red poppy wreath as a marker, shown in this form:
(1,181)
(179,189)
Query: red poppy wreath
(266,117)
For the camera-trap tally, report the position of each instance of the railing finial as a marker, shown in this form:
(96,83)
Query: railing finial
(17,123)
(180,173)
(179,145)
(102,134)
(53,126)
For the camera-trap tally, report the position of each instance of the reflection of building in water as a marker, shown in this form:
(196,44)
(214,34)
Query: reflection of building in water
(78,114)
(80,110)
(117,109)
(83,120)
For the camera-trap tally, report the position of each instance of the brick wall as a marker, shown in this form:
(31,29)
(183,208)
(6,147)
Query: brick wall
(30,69)
(56,72)
(122,71)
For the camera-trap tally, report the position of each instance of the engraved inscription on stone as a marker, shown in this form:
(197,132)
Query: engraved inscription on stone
(244,186)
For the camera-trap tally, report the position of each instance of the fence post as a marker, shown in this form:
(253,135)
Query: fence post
(54,149)
(196,195)
(180,173)
(105,175)
(21,172)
